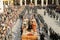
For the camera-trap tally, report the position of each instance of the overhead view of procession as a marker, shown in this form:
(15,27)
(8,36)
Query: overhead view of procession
(29,19)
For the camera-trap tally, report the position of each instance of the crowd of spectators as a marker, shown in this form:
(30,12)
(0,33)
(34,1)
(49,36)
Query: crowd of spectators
(52,14)
(7,20)
(54,35)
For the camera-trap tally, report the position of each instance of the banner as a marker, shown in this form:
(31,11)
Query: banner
(1,6)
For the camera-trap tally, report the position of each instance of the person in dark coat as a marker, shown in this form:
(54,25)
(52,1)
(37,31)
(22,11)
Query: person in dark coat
(21,31)
(44,12)
(59,37)
(53,15)
(40,18)
(46,28)
(42,36)
(56,36)
(57,17)
(35,9)
(50,13)
(50,30)
(29,25)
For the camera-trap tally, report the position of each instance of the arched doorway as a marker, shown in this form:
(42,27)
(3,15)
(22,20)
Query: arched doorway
(28,2)
(55,2)
(39,2)
(44,2)
(33,1)
(59,2)
(23,2)
(16,2)
(49,2)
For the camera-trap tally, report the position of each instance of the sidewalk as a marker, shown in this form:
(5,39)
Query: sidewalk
(50,21)
(16,29)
